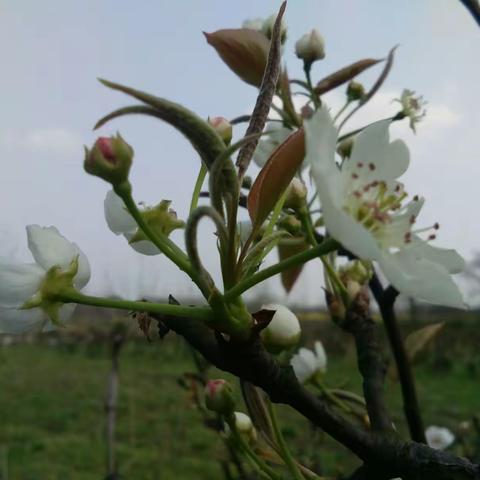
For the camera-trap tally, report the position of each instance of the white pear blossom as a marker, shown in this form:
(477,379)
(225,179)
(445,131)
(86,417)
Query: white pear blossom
(278,134)
(439,438)
(412,107)
(307,364)
(120,222)
(363,208)
(283,331)
(20,282)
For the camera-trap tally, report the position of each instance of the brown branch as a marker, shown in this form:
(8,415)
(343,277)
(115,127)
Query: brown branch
(371,365)
(386,456)
(474,8)
(386,300)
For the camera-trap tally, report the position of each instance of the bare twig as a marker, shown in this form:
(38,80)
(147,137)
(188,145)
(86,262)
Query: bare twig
(474,8)
(386,456)
(111,407)
(386,300)
(370,362)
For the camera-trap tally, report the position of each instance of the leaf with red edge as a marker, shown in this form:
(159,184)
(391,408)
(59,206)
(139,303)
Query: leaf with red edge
(286,249)
(275,177)
(245,52)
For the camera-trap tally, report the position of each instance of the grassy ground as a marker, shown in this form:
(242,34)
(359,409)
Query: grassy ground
(52,418)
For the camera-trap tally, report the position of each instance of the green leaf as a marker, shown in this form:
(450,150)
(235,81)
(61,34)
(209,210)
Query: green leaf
(201,135)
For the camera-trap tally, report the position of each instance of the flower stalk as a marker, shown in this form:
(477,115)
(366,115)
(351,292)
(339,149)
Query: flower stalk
(203,314)
(323,248)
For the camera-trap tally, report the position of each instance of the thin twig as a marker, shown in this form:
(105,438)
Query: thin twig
(474,8)
(386,300)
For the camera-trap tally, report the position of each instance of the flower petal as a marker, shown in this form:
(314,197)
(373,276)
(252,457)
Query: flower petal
(346,230)
(381,159)
(49,248)
(18,282)
(420,278)
(321,356)
(118,218)
(145,247)
(65,313)
(447,257)
(303,364)
(320,145)
(20,321)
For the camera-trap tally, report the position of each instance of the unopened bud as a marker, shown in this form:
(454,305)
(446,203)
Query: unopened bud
(296,195)
(110,159)
(244,50)
(244,426)
(356,271)
(219,397)
(267,28)
(283,331)
(223,127)
(310,47)
(253,24)
(345,147)
(355,91)
(353,288)
(291,224)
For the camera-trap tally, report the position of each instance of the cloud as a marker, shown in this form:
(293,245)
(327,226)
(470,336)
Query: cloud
(60,141)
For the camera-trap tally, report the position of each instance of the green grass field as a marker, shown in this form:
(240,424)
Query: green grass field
(52,414)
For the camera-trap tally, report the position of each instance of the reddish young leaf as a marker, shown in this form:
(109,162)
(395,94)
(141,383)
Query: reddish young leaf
(286,249)
(245,52)
(275,177)
(343,75)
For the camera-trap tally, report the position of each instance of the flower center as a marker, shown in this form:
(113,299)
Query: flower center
(380,209)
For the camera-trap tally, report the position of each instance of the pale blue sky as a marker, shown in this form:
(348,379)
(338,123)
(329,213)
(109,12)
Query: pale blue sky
(52,51)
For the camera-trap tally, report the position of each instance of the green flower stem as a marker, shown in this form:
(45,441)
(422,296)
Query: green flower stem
(268,231)
(331,397)
(325,247)
(307,68)
(252,456)
(162,242)
(308,228)
(198,186)
(200,313)
(287,457)
(347,103)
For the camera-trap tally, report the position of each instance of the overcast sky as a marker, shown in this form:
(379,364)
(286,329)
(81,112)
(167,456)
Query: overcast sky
(52,52)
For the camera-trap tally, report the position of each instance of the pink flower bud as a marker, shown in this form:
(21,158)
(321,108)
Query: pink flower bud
(110,159)
(223,127)
(105,146)
(219,397)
